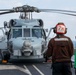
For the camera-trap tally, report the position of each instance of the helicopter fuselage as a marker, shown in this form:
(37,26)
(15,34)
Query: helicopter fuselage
(26,39)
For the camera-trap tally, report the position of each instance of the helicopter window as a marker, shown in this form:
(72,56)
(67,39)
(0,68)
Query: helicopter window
(26,32)
(17,33)
(37,33)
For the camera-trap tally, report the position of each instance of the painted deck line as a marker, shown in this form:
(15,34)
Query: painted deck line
(27,70)
(38,70)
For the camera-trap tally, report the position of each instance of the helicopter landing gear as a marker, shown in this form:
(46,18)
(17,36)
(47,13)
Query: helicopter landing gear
(5,57)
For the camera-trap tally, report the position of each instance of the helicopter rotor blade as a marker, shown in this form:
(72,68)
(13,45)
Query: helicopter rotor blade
(6,10)
(56,10)
(27,8)
(65,13)
(2,13)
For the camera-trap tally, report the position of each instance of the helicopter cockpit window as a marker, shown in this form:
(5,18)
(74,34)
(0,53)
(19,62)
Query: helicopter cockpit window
(37,33)
(26,32)
(17,33)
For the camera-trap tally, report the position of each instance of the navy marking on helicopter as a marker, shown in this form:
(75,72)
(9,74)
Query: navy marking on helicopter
(25,38)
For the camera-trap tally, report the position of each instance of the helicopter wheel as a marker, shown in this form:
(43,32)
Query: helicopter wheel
(5,57)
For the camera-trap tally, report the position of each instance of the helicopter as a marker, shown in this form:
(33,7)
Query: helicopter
(25,38)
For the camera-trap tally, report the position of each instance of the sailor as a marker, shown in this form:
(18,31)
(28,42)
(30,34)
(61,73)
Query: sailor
(61,49)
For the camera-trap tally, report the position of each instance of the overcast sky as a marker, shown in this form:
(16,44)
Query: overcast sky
(50,19)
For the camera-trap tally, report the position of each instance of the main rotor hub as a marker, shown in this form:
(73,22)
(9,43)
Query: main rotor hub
(26,8)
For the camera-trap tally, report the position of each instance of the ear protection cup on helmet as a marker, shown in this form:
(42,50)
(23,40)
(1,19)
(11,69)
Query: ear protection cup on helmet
(65,30)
